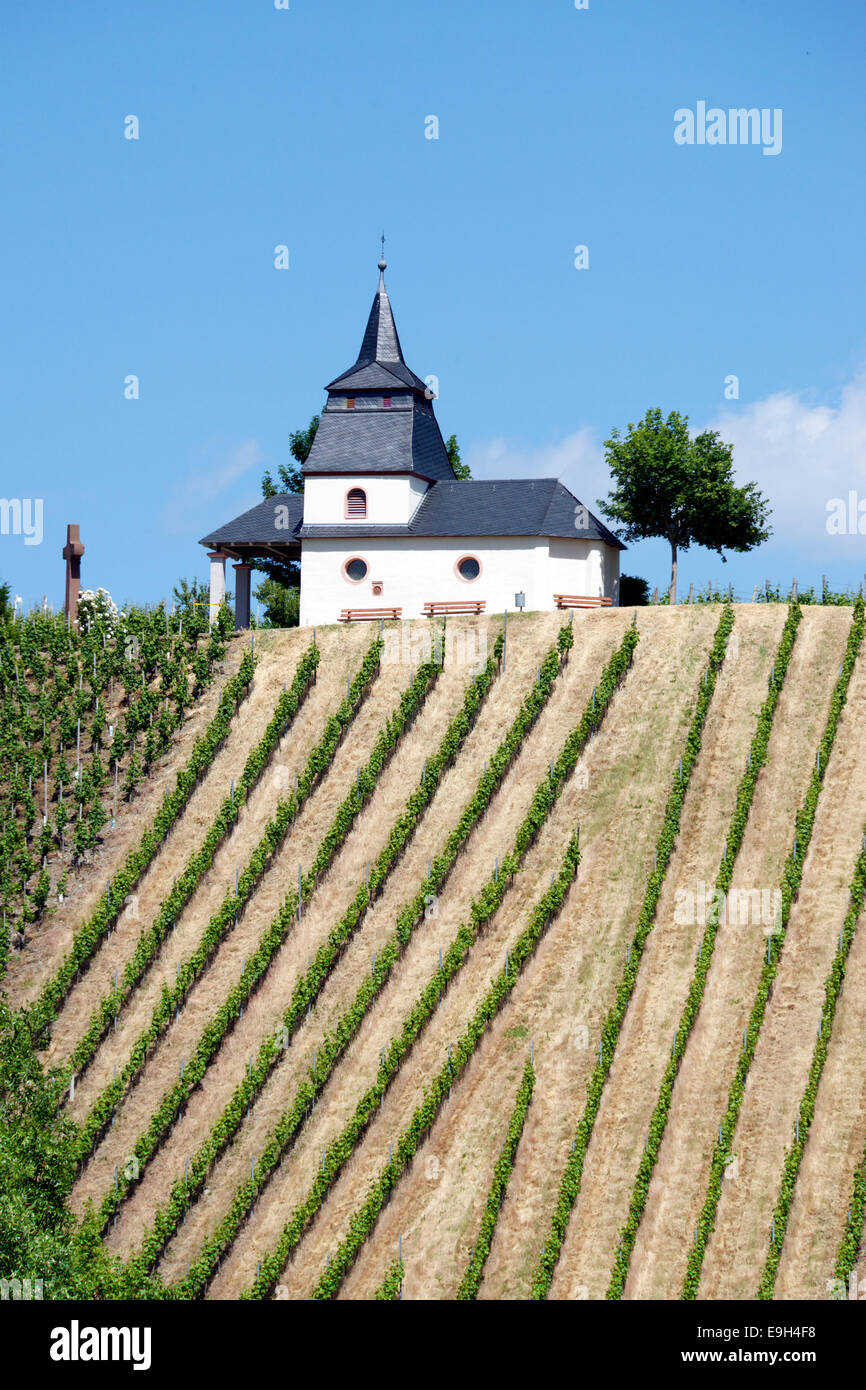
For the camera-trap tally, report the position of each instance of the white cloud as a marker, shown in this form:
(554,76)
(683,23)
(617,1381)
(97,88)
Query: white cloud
(801,455)
(221,465)
(578,460)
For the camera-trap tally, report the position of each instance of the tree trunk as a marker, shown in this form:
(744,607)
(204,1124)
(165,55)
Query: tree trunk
(672,592)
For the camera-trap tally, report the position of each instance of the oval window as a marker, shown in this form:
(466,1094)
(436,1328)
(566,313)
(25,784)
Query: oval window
(356,569)
(468,568)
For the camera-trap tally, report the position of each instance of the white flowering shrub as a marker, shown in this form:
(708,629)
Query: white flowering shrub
(97,609)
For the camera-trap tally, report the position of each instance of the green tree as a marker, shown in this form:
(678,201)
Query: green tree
(292,477)
(670,486)
(461,469)
(633,591)
(5,604)
(281,604)
(191,599)
(284,575)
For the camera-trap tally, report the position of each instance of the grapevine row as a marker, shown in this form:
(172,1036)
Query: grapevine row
(481,911)
(471,1281)
(272,939)
(736,832)
(363,1221)
(792,876)
(197,865)
(104,917)
(573,1173)
(310,985)
(793,1157)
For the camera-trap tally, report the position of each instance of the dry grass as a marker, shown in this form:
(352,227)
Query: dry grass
(617,795)
(738,1247)
(565,987)
(667,966)
(326,906)
(275,669)
(491,839)
(819,1211)
(163,1065)
(679,1182)
(527,646)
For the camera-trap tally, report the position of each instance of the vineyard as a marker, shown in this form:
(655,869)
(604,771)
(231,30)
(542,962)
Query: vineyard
(498,957)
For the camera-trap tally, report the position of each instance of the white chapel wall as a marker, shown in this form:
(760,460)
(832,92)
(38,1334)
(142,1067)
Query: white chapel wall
(390,500)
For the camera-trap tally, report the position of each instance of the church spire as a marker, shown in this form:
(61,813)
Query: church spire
(380,342)
(380,362)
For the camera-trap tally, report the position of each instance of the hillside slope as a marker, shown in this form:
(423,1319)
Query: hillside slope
(396,789)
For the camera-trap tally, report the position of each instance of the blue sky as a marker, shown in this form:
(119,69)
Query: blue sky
(306,127)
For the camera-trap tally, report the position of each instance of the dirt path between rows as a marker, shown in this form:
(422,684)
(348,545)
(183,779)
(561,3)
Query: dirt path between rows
(488,956)
(738,1246)
(819,1211)
(679,1182)
(653,1014)
(163,1065)
(323,910)
(527,646)
(273,672)
(558,1004)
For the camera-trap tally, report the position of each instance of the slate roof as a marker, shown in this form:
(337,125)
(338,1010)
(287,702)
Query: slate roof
(400,438)
(380,361)
(482,507)
(474,507)
(259,527)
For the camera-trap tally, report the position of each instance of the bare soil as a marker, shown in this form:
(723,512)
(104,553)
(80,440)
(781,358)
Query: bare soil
(816,1222)
(679,1182)
(667,968)
(738,1246)
(558,1005)
(577,801)
(528,644)
(163,1065)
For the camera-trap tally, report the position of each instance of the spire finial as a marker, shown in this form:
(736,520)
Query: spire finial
(382,262)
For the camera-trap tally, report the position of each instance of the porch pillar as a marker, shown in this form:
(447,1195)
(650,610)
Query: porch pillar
(217,581)
(242,595)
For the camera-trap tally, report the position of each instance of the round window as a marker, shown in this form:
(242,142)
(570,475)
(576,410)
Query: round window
(356,569)
(469,568)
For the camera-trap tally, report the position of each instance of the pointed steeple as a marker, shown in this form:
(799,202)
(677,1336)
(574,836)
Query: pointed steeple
(380,343)
(380,363)
(379,416)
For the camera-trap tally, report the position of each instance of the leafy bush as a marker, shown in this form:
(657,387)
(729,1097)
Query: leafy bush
(97,611)
(633,591)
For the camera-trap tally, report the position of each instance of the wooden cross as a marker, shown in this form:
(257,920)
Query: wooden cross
(72,553)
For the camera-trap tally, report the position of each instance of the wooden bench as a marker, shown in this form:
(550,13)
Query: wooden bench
(457,605)
(358,615)
(580,601)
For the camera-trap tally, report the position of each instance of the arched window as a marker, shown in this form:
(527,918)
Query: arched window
(356,503)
